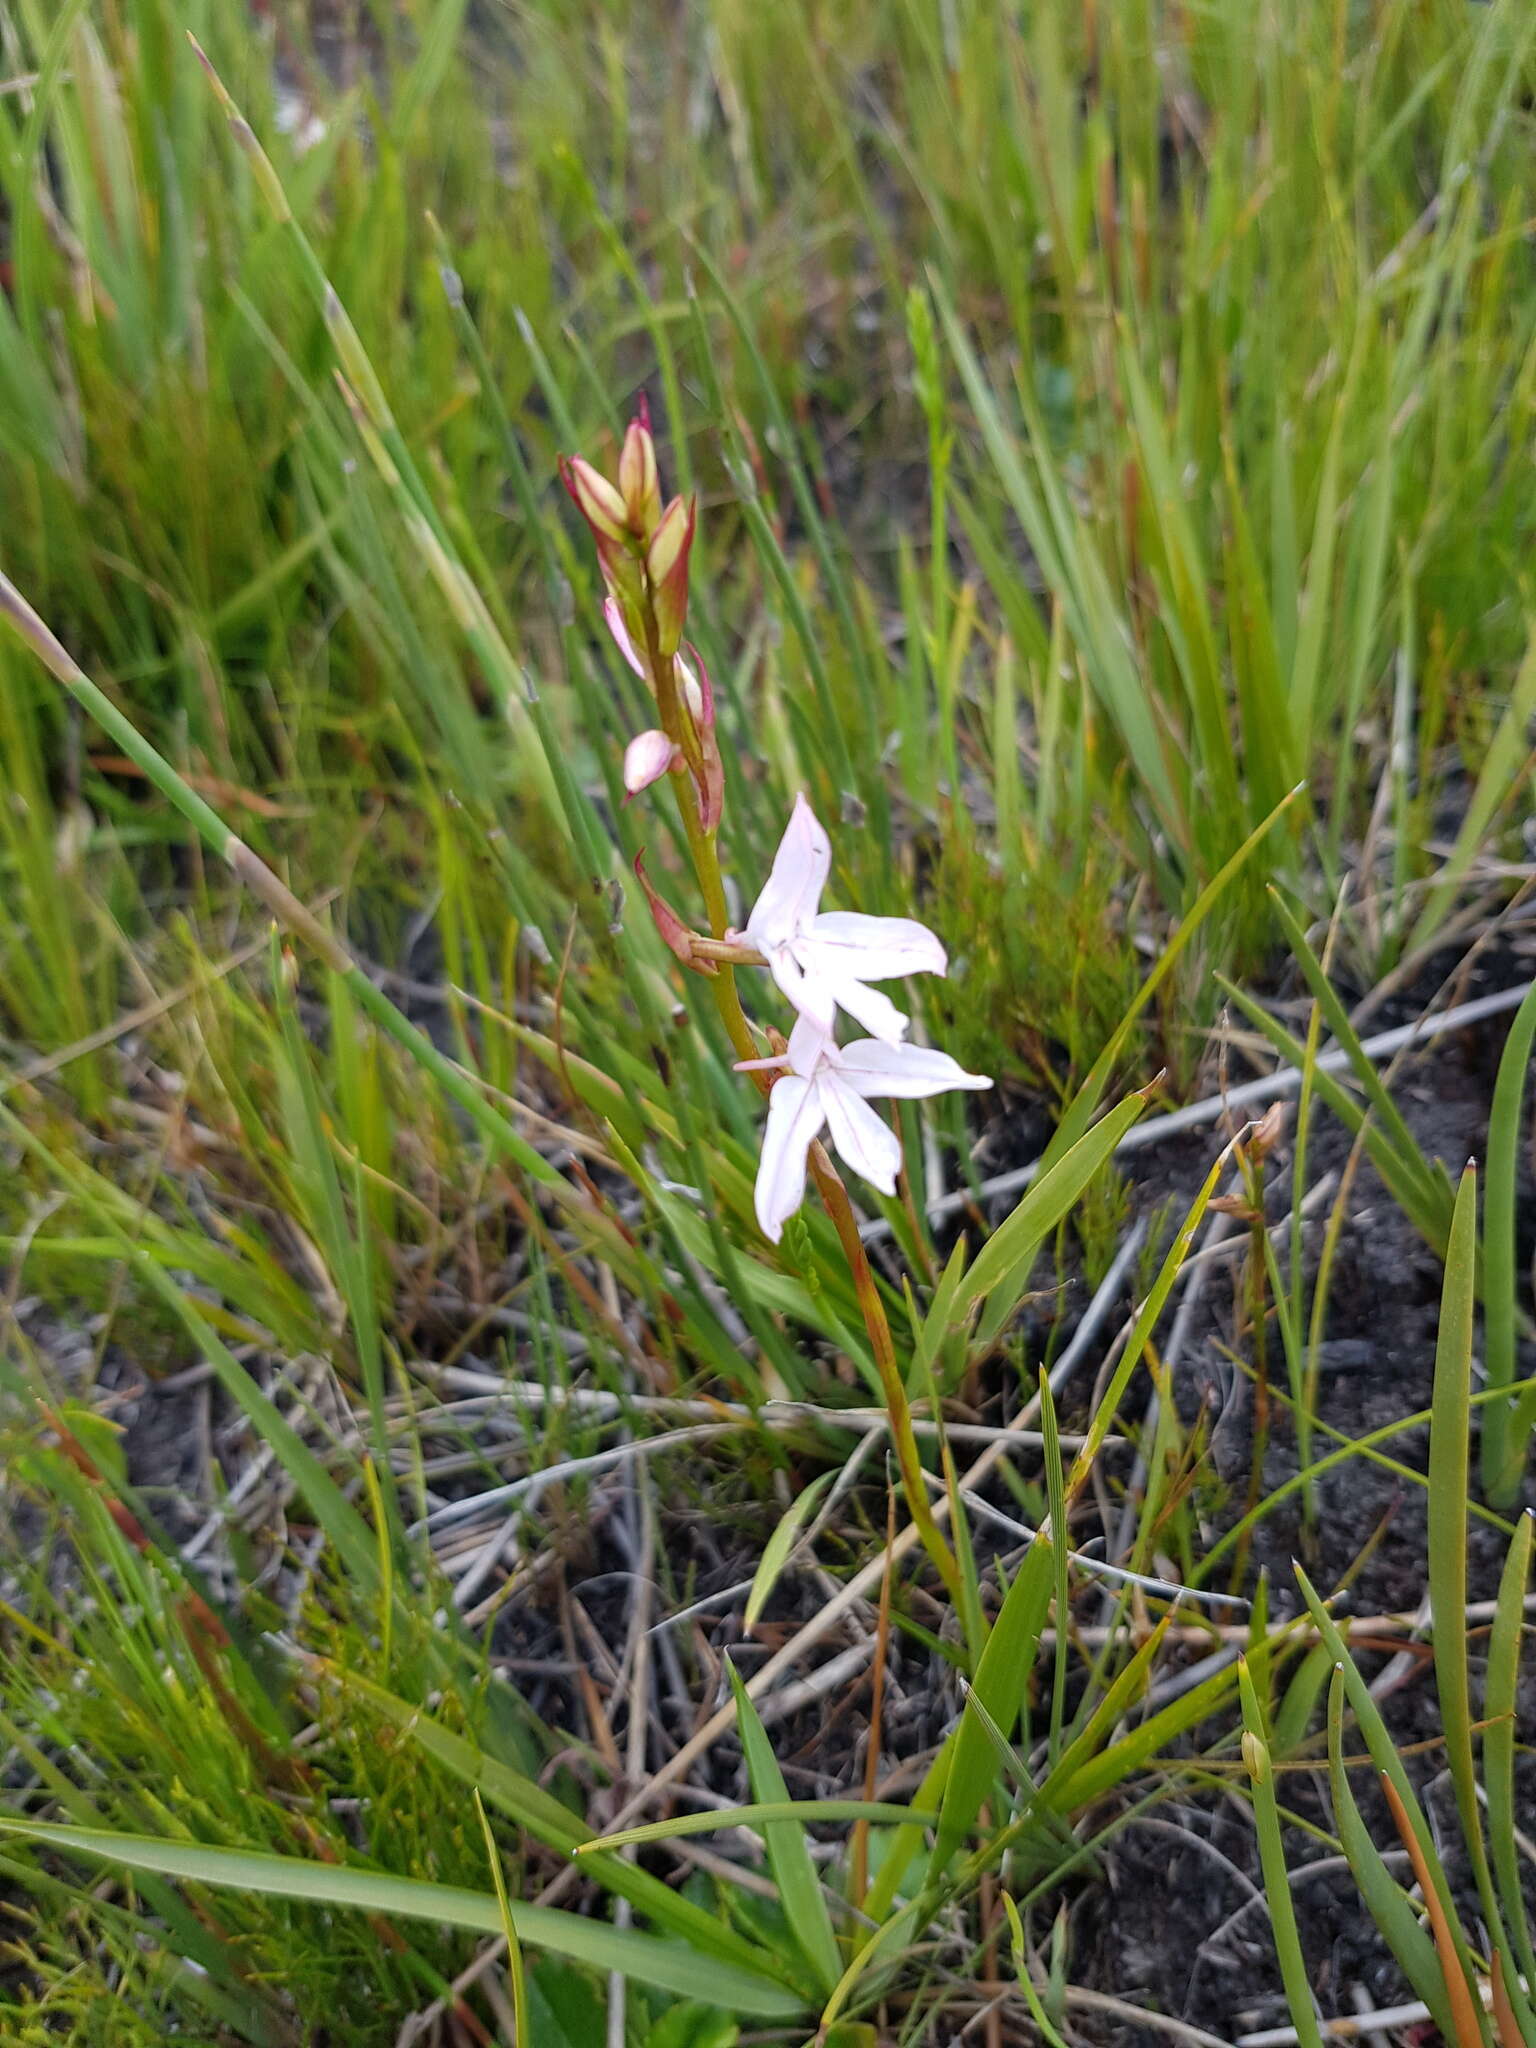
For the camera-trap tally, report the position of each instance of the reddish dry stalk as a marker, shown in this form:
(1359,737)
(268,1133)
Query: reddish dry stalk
(835,1200)
(858,1879)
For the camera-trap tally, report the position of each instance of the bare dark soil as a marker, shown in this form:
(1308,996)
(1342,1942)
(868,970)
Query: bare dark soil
(1175,1930)
(1171,1920)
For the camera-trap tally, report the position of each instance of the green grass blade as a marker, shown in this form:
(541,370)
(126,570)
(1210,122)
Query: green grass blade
(1429,1181)
(999,1275)
(761,1814)
(1386,1901)
(1449,1436)
(522,2031)
(1277,1888)
(1500,1738)
(779,1545)
(1384,1756)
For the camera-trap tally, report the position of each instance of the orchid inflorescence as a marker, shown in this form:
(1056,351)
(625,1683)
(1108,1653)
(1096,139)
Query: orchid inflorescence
(822,961)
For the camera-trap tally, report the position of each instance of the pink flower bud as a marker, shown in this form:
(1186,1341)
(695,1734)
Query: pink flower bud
(647,758)
(666,565)
(698,690)
(639,481)
(595,499)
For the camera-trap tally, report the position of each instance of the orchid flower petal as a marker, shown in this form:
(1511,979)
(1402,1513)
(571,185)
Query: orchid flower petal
(795,1116)
(873,948)
(614,619)
(811,1045)
(871,1067)
(877,1013)
(813,999)
(793,889)
(865,1141)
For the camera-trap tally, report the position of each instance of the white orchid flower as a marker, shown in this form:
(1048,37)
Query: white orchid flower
(822,960)
(829,1087)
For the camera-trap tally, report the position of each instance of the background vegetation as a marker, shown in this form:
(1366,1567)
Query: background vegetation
(1112,428)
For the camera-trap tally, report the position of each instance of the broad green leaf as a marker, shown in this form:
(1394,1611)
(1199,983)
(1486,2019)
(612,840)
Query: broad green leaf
(997,1693)
(789,1855)
(548,1821)
(581,1940)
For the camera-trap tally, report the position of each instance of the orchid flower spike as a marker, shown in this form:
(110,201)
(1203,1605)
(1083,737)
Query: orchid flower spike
(829,1087)
(643,546)
(822,960)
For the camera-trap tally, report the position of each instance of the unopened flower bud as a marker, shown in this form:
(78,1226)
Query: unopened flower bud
(595,499)
(639,482)
(699,696)
(647,758)
(666,565)
(693,695)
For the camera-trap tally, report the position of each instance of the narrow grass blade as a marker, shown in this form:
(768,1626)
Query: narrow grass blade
(522,2028)
(1503,1449)
(1467,2029)
(1081,1110)
(1430,1180)
(779,1545)
(1141,1333)
(1384,1756)
(1449,1435)
(1426,1204)
(760,1814)
(1500,1733)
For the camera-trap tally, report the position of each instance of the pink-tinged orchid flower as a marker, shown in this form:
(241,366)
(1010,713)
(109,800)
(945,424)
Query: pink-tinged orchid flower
(647,758)
(829,1087)
(822,960)
(693,695)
